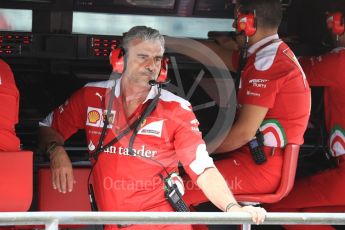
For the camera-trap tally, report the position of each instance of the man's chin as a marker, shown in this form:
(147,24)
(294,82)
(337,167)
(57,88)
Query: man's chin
(145,83)
(147,79)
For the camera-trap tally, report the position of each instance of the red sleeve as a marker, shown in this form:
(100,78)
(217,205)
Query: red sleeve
(6,78)
(324,70)
(9,102)
(189,145)
(9,96)
(71,116)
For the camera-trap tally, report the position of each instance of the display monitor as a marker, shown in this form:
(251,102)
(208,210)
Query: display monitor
(15,20)
(117,24)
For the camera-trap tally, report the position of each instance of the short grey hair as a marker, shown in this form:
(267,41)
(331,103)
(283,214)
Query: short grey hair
(144,33)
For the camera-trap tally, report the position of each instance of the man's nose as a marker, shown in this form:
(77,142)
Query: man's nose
(149,69)
(150,65)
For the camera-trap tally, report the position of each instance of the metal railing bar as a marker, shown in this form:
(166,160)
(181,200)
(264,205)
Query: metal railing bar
(98,218)
(52,225)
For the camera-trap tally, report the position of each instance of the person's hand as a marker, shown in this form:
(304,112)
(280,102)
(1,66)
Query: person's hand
(227,42)
(258,213)
(62,172)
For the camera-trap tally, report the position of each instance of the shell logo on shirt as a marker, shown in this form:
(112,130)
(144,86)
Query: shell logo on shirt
(337,141)
(274,134)
(95,117)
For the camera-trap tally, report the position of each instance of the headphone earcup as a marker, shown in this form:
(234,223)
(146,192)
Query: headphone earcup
(335,22)
(246,23)
(163,73)
(116,59)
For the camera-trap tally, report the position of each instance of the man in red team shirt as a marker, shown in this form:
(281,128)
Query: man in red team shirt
(273,96)
(126,180)
(9,100)
(324,191)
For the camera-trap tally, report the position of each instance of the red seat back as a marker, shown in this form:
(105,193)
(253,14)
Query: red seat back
(52,200)
(287,180)
(16,181)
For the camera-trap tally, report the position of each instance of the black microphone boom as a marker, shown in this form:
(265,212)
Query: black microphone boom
(154,82)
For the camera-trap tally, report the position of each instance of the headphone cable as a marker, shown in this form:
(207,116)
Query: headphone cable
(135,126)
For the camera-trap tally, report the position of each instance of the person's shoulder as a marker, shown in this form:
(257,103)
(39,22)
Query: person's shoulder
(6,77)
(338,51)
(100,84)
(275,61)
(265,58)
(3,63)
(173,100)
(94,88)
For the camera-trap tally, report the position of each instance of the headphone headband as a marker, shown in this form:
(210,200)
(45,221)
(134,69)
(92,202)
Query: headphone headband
(246,23)
(117,60)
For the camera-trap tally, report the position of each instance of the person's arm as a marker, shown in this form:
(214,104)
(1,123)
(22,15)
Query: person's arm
(227,42)
(60,163)
(191,151)
(244,129)
(47,135)
(212,183)
(57,127)
(224,48)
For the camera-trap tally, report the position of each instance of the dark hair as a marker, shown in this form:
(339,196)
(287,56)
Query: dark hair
(268,12)
(144,33)
(336,6)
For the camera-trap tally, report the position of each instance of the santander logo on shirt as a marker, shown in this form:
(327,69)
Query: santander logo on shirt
(142,151)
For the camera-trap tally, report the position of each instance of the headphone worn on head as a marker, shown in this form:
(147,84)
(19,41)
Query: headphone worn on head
(246,23)
(335,22)
(117,60)
(163,73)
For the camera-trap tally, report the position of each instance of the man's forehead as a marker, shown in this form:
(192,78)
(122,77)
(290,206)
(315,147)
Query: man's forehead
(138,41)
(149,45)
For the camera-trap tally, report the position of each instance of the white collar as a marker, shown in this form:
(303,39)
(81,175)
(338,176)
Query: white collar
(152,93)
(262,42)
